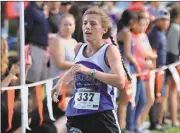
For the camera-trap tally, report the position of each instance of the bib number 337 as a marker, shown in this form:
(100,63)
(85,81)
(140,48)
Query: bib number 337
(87,100)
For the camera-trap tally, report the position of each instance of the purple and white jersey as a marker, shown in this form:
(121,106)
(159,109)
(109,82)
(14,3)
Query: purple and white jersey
(91,95)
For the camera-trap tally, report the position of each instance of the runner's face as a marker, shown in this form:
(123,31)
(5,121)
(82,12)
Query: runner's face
(92,27)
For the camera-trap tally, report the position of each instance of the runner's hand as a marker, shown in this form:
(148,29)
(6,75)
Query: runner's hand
(79,68)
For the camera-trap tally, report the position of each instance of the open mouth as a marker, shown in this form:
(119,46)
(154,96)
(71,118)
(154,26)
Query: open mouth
(88,33)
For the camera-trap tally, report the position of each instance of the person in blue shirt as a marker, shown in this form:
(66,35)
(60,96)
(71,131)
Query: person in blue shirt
(36,29)
(54,16)
(158,41)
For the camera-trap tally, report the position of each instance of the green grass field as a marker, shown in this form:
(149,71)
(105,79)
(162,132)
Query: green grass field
(169,130)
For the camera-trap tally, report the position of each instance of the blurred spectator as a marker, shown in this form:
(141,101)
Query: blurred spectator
(157,36)
(2,9)
(158,41)
(10,66)
(173,52)
(9,29)
(4,32)
(125,42)
(150,56)
(124,37)
(54,16)
(113,12)
(7,78)
(10,74)
(173,35)
(36,27)
(123,5)
(46,10)
(4,56)
(62,47)
(65,6)
(154,7)
(136,5)
(134,111)
(62,56)
(37,37)
(139,5)
(172,4)
(77,12)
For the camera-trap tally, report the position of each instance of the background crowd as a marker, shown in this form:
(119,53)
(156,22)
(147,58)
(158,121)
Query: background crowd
(148,37)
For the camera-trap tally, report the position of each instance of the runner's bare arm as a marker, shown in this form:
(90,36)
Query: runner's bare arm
(118,76)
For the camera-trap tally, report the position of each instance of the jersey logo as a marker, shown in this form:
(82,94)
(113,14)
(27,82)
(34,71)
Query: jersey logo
(74,130)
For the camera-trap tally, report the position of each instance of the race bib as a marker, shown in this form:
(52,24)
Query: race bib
(87,100)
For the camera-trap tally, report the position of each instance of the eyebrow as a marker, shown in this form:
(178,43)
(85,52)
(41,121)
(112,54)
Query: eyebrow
(90,21)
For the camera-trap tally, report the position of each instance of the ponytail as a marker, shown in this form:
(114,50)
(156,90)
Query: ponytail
(126,17)
(128,75)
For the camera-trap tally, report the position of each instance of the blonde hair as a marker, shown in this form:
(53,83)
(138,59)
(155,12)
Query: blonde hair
(4,56)
(105,20)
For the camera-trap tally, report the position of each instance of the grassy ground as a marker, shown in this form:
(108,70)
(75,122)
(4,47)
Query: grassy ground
(167,129)
(170,129)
